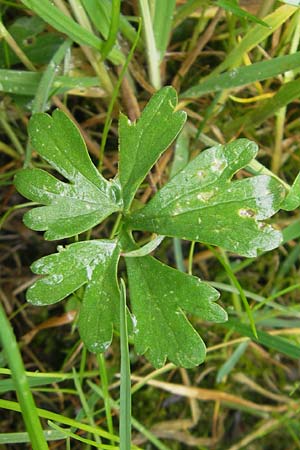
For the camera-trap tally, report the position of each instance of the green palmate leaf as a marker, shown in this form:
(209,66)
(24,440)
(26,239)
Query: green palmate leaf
(69,208)
(159,296)
(143,142)
(201,203)
(90,263)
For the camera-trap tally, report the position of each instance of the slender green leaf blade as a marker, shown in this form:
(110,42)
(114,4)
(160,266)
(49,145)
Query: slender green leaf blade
(231,362)
(201,203)
(233,7)
(72,208)
(100,13)
(275,342)
(143,142)
(162,23)
(59,21)
(52,15)
(291,232)
(245,75)
(90,263)
(254,36)
(159,296)
(21,82)
(288,93)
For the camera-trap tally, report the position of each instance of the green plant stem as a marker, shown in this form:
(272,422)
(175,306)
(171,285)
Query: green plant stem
(114,97)
(125,387)
(26,401)
(106,396)
(152,52)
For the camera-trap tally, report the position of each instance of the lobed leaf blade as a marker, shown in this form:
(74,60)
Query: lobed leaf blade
(69,209)
(91,263)
(141,143)
(201,203)
(160,325)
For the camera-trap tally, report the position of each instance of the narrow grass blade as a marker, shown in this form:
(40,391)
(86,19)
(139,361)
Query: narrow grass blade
(291,232)
(45,84)
(26,83)
(105,388)
(44,87)
(286,94)
(113,29)
(85,404)
(115,95)
(232,7)
(23,438)
(136,425)
(255,36)
(8,384)
(231,362)
(26,401)
(125,388)
(76,437)
(152,52)
(186,9)
(277,343)
(56,18)
(100,13)
(162,23)
(14,406)
(237,285)
(245,75)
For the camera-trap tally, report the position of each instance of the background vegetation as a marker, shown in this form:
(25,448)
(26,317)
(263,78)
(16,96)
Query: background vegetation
(85,58)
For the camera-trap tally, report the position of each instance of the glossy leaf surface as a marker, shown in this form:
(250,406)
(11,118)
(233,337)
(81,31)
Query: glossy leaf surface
(90,263)
(72,208)
(201,203)
(142,143)
(159,296)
